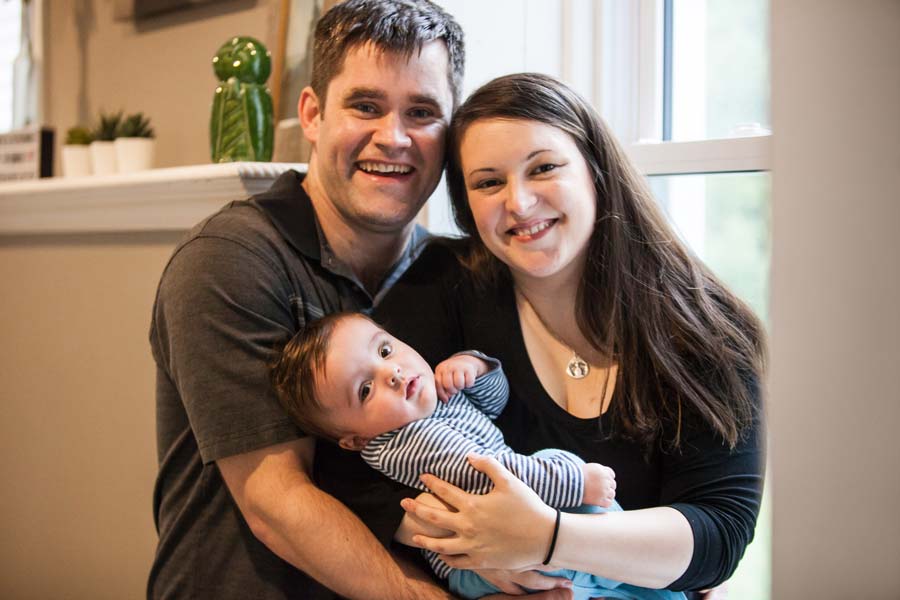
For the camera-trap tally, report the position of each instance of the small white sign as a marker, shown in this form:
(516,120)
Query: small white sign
(26,154)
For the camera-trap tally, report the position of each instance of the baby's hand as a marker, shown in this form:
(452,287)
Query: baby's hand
(599,485)
(457,373)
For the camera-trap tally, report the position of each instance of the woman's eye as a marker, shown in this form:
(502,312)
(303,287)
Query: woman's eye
(486,183)
(546,168)
(385,350)
(364,390)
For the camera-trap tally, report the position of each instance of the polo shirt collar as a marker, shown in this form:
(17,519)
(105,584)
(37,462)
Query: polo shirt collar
(291,212)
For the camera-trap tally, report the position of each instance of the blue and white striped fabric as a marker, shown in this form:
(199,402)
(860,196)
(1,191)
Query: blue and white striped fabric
(439,445)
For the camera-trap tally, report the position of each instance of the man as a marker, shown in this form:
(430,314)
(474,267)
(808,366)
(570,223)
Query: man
(236,507)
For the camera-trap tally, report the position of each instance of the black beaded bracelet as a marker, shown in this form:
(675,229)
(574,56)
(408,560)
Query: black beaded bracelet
(553,539)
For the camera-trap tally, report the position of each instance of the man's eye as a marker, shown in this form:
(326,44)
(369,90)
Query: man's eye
(421,113)
(364,390)
(385,350)
(366,108)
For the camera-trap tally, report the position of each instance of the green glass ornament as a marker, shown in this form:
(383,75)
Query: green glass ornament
(241,124)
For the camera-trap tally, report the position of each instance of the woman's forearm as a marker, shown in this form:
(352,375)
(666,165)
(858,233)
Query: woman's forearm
(649,548)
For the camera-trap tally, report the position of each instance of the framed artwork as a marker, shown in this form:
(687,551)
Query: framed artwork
(151,8)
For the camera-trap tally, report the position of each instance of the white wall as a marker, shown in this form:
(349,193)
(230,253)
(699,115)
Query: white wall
(502,36)
(834,394)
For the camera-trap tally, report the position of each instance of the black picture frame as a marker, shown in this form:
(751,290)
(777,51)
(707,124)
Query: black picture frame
(144,9)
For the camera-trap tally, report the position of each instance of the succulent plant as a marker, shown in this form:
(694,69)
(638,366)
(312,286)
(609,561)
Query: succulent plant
(108,127)
(79,136)
(136,126)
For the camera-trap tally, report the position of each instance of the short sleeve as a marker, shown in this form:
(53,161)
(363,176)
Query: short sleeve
(220,312)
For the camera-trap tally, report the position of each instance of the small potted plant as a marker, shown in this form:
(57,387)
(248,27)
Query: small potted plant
(135,144)
(76,153)
(103,149)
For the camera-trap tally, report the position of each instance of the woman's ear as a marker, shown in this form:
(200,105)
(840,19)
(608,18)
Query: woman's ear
(353,442)
(309,112)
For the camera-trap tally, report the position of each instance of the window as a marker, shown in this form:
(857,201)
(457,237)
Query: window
(692,110)
(10,24)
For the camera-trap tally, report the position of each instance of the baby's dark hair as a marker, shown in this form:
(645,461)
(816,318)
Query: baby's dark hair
(295,372)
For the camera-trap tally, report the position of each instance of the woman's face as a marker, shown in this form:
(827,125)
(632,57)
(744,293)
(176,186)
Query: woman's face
(531,194)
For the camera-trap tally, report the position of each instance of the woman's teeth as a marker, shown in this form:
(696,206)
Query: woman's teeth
(526,231)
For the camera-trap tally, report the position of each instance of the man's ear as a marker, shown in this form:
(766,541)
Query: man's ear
(309,112)
(353,442)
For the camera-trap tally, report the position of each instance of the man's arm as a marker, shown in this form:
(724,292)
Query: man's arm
(310,529)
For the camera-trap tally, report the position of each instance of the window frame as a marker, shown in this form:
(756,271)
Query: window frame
(629,65)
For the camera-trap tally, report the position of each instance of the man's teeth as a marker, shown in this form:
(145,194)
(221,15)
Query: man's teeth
(375,167)
(533,229)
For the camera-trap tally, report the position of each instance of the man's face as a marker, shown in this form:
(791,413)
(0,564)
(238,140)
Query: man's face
(379,138)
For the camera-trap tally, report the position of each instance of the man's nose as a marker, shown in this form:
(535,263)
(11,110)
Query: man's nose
(391,132)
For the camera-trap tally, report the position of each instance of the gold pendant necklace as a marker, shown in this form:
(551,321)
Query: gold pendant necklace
(577,367)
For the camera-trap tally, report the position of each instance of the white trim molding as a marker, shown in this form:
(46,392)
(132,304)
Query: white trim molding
(156,200)
(705,156)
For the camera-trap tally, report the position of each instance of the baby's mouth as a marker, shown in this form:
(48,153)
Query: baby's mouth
(412,386)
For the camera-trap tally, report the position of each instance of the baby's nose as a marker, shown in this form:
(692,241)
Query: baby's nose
(395,377)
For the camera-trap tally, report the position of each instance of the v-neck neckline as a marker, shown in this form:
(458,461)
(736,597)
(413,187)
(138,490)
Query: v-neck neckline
(523,370)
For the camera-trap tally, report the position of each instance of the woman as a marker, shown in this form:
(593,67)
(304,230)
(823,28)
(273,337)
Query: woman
(619,344)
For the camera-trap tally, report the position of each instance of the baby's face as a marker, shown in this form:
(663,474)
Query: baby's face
(372,383)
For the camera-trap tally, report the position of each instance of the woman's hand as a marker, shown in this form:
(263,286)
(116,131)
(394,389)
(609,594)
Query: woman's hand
(508,528)
(412,525)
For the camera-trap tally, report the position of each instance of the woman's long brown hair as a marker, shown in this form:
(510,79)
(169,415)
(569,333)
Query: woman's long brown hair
(685,345)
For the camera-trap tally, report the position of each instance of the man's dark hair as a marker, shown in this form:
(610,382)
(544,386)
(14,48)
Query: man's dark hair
(401,26)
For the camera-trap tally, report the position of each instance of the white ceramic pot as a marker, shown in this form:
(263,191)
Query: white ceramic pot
(103,157)
(76,160)
(135,154)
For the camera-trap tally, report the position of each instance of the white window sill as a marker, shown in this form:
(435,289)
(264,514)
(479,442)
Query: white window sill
(158,200)
(705,156)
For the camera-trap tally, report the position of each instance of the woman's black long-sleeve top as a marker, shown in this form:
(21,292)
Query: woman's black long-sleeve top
(438,310)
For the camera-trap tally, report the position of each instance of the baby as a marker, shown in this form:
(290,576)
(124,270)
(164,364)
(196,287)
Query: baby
(345,379)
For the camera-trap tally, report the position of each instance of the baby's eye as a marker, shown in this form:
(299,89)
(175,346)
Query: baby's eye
(385,350)
(364,390)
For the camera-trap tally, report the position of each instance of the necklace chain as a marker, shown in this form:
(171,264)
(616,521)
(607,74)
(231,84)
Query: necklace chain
(577,367)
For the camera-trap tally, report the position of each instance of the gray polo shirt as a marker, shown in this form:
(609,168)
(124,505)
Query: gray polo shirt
(242,282)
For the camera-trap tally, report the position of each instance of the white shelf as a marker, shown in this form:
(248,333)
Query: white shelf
(157,200)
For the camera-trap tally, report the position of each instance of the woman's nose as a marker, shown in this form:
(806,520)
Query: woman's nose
(519,198)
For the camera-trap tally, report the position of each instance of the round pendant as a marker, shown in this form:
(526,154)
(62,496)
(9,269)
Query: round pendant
(577,368)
